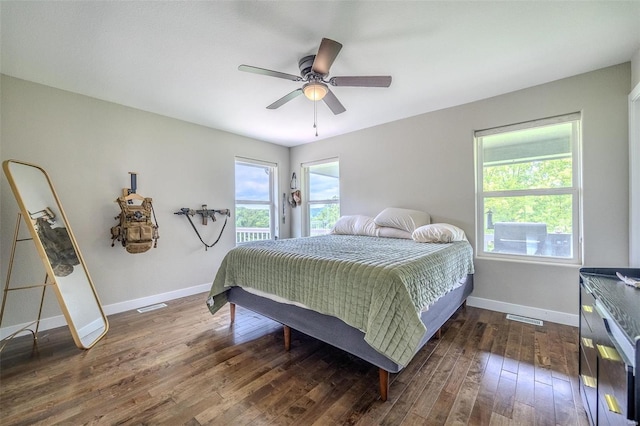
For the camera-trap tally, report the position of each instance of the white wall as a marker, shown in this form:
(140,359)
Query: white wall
(88,147)
(427,162)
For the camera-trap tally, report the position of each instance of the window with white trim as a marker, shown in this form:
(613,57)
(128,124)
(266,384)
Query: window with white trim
(322,195)
(528,189)
(255,211)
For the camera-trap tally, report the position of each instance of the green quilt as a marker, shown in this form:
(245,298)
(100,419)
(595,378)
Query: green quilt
(378,285)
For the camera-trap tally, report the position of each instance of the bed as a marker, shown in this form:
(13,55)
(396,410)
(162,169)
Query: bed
(380,299)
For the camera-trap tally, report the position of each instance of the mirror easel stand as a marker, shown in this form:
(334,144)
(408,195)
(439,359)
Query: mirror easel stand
(8,289)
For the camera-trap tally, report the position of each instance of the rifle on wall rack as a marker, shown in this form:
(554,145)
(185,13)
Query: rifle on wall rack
(206,214)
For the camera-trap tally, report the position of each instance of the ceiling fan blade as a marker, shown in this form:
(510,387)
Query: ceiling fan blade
(333,103)
(371,81)
(286,98)
(327,53)
(262,71)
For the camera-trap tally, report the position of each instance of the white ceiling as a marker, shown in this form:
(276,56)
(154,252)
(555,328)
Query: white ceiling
(180,59)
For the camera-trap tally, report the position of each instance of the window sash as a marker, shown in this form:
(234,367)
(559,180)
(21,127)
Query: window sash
(308,203)
(271,202)
(574,190)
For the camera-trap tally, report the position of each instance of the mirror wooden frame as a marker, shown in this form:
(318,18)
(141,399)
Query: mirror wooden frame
(58,251)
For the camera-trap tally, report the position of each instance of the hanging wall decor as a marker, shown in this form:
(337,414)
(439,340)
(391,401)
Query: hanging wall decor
(135,230)
(206,214)
(295,197)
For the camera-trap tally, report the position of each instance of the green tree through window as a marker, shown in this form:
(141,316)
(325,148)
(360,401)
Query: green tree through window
(252,218)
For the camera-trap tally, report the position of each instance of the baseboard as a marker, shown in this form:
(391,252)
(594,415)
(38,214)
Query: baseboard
(115,308)
(130,305)
(526,311)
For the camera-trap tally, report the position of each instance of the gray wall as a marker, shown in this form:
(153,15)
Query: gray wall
(427,163)
(88,147)
(635,69)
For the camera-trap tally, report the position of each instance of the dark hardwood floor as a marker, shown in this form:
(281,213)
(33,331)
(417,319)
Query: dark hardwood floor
(181,365)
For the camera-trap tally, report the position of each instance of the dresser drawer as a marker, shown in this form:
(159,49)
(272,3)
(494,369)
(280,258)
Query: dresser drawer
(613,381)
(588,385)
(595,327)
(609,344)
(588,353)
(588,314)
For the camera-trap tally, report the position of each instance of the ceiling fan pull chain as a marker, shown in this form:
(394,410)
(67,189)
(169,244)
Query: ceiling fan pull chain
(315,116)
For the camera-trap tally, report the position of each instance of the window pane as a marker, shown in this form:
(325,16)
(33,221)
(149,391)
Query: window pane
(529,225)
(528,159)
(323,217)
(255,214)
(323,203)
(324,182)
(252,222)
(534,175)
(252,182)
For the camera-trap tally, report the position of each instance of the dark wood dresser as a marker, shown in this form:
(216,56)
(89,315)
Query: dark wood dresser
(609,346)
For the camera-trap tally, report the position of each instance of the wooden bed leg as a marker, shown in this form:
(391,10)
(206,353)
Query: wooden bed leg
(232,312)
(384,384)
(438,334)
(287,337)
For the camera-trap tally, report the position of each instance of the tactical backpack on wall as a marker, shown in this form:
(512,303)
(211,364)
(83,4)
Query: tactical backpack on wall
(136,231)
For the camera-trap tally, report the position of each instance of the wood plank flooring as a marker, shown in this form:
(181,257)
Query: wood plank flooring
(181,365)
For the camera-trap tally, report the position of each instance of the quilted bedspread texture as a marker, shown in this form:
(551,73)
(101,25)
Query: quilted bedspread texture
(378,285)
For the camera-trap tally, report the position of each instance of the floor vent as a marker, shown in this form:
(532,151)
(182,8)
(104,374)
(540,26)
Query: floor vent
(152,307)
(525,319)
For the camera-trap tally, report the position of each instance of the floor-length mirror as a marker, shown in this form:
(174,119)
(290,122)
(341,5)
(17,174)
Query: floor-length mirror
(58,249)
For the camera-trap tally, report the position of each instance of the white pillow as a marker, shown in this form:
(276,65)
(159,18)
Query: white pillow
(385,231)
(355,225)
(405,219)
(438,233)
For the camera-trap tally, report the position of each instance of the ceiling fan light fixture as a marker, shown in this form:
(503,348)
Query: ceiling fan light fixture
(315,91)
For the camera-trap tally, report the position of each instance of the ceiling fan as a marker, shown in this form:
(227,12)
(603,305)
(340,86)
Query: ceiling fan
(314,69)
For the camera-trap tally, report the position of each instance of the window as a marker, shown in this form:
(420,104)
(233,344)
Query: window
(255,207)
(322,187)
(528,186)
